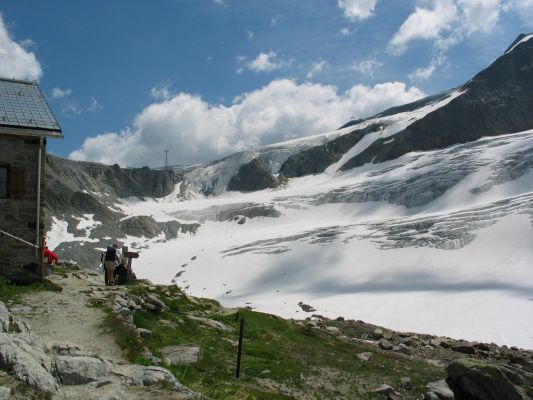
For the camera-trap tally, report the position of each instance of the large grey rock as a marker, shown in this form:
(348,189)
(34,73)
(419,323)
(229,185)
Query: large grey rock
(24,367)
(472,379)
(10,324)
(79,370)
(138,375)
(5,393)
(179,355)
(441,390)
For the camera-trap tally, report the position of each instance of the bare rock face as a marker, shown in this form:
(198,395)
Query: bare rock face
(496,101)
(472,379)
(252,176)
(24,367)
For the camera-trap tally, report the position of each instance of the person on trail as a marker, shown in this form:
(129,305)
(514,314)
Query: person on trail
(111,255)
(50,256)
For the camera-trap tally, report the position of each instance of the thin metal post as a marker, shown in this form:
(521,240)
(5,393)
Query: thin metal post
(239,351)
(41,259)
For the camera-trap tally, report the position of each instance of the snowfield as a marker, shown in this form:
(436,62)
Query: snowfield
(436,242)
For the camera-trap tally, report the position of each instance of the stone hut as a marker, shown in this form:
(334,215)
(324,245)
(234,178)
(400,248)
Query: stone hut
(26,122)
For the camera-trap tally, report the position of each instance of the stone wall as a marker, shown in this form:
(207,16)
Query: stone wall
(18,212)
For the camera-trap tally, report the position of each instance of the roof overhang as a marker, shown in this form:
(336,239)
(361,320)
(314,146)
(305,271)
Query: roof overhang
(35,132)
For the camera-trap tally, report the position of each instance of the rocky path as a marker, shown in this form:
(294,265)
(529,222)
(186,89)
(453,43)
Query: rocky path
(68,317)
(52,344)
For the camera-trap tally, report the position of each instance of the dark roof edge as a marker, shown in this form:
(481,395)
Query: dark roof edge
(19,81)
(30,131)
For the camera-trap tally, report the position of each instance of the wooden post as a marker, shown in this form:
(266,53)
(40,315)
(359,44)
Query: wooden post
(239,350)
(41,259)
(130,255)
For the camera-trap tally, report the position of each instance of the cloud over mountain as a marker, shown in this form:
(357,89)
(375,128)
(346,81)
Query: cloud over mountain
(197,131)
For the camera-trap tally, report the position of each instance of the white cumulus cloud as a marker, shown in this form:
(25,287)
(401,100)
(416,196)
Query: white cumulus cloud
(265,62)
(357,9)
(58,93)
(15,60)
(197,131)
(424,24)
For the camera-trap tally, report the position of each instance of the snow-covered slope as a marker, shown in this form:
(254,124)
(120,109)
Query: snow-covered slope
(438,242)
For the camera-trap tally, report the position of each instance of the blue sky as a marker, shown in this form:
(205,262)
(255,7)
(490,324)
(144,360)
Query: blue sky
(205,78)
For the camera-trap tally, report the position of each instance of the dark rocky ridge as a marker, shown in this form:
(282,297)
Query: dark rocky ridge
(498,100)
(75,188)
(252,176)
(316,159)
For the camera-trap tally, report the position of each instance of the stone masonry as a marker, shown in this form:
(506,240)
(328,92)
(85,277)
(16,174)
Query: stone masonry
(18,212)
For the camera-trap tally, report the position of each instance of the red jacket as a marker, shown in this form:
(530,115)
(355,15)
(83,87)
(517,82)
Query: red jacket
(51,256)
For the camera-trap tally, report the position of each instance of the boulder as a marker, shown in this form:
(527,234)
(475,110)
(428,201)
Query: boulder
(477,380)
(333,330)
(179,355)
(385,344)
(79,370)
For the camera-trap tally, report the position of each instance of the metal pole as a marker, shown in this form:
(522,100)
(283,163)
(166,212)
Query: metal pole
(17,238)
(38,235)
(239,351)
(166,158)
(41,259)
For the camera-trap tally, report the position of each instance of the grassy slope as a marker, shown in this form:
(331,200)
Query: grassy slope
(281,359)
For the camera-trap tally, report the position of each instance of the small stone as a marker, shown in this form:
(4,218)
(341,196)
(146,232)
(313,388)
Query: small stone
(181,355)
(466,348)
(385,344)
(402,348)
(333,330)
(364,356)
(441,389)
(385,390)
(378,333)
(144,333)
(405,383)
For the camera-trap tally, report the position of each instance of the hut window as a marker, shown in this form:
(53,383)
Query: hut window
(3,182)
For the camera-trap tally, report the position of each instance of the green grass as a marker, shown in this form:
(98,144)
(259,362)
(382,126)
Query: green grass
(291,355)
(13,292)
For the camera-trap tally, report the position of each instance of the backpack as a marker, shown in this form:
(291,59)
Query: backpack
(111,253)
(120,274)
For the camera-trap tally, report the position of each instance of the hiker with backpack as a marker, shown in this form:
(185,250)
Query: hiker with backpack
(110,256)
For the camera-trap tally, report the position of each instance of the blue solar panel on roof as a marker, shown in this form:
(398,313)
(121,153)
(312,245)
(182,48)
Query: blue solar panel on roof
(23,105)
